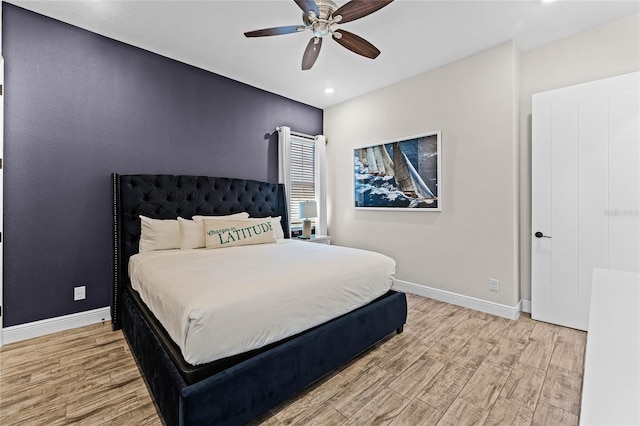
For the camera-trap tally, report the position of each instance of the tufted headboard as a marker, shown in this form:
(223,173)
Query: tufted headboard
(169,196)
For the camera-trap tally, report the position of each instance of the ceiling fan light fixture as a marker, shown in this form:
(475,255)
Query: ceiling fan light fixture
(319,16)
(321,29)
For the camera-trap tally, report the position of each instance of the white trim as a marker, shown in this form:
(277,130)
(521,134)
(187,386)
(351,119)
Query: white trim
(526,306)
(509,312)
(43,327)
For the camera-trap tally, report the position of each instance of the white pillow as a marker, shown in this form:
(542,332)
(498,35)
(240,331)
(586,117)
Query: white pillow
(277,227)
(241,215)
(237,232)
(191,234)
(158,234)
(192,231)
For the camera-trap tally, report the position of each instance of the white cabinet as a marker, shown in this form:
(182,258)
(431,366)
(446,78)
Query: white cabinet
(611,387)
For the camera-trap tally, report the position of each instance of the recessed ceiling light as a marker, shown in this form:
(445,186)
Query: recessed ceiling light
(548,1)
(328,90)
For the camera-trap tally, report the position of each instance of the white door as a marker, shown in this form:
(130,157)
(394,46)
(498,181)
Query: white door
(585,193)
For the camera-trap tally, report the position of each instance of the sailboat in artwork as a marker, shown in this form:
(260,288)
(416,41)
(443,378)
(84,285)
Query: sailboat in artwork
(383,158)
(362,157)
(371,160)
(377,161)
(408,180)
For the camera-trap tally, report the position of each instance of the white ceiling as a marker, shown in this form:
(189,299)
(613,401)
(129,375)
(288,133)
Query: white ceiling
(413,35)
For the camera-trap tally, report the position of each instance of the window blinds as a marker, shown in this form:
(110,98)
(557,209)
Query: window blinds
(303,176)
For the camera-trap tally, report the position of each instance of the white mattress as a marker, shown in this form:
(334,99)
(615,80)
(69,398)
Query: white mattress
(222,302)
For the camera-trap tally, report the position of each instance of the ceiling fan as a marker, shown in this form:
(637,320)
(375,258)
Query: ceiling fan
(320,17)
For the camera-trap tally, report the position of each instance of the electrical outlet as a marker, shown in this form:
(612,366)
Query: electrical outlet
(494,285)
(79,293)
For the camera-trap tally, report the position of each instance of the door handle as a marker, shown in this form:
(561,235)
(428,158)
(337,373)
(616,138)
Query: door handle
(541,235)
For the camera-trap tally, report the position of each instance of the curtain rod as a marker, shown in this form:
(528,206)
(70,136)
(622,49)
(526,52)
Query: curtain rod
(300,135)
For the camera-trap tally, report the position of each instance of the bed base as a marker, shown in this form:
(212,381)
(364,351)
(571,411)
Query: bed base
(245,391)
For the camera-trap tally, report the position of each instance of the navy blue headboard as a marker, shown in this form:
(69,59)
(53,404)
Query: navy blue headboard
(169,196)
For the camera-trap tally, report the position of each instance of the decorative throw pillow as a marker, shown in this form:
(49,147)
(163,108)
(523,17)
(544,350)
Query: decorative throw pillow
(158,234)
(192,231)
(237,232)
(276,224)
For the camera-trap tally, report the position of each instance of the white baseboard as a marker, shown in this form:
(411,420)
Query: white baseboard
(509,312)
(526,306)
(30,330)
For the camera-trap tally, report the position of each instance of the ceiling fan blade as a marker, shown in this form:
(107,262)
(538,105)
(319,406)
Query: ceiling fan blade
(307,5)
(275,31)
(356,44)
(311,53)
(356,9)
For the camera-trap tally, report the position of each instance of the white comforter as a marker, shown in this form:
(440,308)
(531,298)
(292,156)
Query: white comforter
(221,302)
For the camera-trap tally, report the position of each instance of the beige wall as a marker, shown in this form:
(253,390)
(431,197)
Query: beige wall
(474,103)
(606,51)
(482,105)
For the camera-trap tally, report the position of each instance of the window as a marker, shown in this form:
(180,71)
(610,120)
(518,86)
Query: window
(301,168)
(303,177)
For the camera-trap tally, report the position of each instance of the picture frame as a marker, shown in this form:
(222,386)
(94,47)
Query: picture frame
(399,175)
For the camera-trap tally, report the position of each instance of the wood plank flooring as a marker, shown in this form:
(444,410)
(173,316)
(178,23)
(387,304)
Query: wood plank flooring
(451,366)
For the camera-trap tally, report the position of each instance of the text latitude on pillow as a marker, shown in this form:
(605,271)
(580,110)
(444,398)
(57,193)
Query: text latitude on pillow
(228,235)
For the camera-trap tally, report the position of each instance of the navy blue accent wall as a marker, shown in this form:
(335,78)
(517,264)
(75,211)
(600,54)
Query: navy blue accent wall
(79,106)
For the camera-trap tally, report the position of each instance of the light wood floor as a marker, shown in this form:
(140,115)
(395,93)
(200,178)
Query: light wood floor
(451,366)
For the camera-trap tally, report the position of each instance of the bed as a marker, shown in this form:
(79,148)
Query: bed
(228,389)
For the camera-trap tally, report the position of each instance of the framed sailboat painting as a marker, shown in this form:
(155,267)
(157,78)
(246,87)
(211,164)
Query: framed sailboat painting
(403,174)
